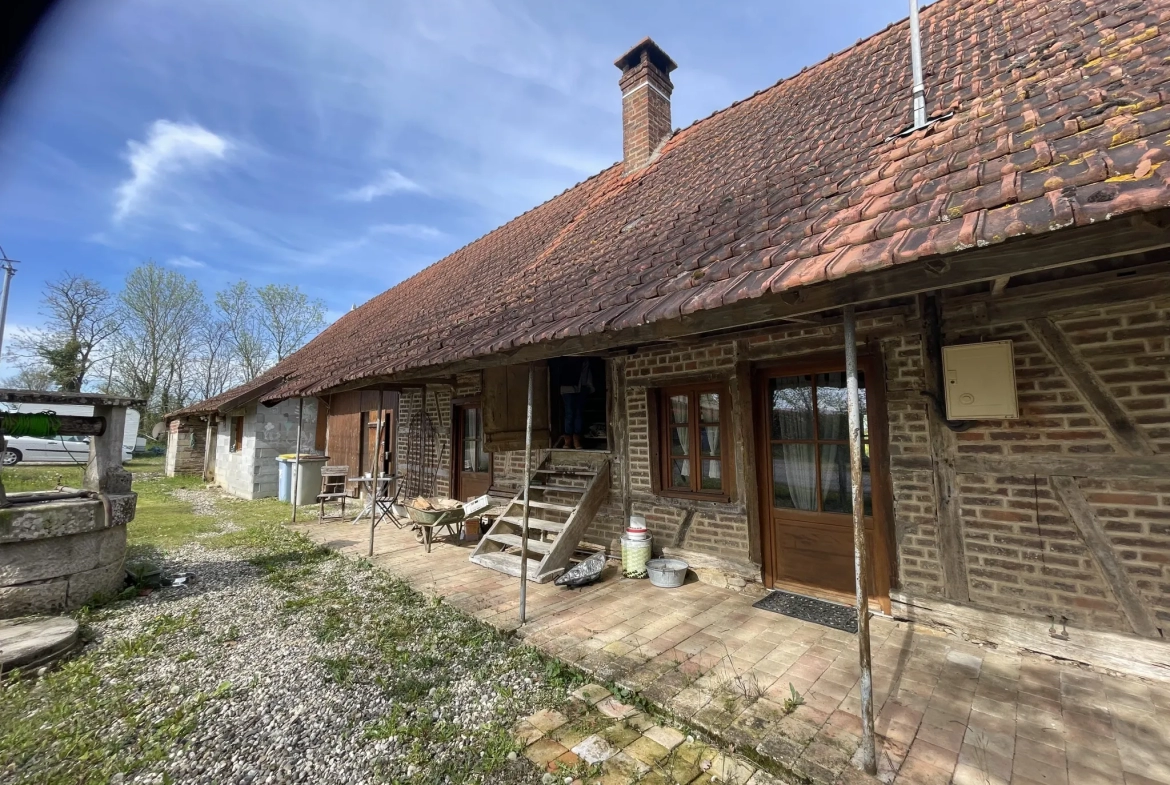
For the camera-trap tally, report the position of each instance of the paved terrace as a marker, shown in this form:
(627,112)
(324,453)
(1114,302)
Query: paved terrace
(948,711)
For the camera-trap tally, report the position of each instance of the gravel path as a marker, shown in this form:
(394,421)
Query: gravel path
(308,668)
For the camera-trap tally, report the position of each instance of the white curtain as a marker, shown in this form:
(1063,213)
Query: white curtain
(792,417)
(835,472)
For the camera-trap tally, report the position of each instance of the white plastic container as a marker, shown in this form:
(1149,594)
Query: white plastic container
(635,554)
(637,529)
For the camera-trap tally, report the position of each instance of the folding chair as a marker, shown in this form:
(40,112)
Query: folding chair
(332,488)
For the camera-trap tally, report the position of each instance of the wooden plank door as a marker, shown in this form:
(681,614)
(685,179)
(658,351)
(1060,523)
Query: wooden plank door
(805,483)
(473,465)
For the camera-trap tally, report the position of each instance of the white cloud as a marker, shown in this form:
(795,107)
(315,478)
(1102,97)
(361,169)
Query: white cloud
(185,262)
(170,148)
(389,182)
(413,231)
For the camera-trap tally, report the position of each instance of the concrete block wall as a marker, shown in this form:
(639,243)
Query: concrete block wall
(251,472)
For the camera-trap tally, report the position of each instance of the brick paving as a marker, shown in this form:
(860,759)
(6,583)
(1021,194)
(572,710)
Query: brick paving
(947,711)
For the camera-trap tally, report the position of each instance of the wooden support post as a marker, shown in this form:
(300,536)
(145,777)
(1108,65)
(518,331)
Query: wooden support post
(527,491)
(377,458)
(860,549)
(1101,549)
(745,452)
(998,285)
(943,453)
(3,493)
(104,472)
(296,478)
(619,427)
(208,445)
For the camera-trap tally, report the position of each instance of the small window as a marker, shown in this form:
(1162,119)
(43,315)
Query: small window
(692,442)
(237,434)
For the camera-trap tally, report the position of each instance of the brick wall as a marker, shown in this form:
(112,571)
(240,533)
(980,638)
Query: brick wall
(186,442)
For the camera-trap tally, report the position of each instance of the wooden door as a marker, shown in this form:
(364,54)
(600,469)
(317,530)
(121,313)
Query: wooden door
(805,484)
(375,457)
(473,465)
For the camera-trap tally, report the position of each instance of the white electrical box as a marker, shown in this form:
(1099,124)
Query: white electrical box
(980,381)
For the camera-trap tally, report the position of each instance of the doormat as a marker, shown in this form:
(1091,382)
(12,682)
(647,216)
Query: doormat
(830,614)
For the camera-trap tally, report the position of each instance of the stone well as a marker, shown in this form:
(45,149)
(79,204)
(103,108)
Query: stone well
(60,548)
(56,555)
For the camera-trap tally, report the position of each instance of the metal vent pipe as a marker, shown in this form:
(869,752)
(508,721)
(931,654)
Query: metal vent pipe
(919,95)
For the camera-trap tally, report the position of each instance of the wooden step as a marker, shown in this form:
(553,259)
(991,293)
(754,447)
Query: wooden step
(558,488)
(538,505)
(514,540)
(534,523)
(568,472)
(507,563)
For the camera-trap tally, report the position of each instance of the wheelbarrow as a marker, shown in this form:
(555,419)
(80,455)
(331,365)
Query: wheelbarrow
(450,520)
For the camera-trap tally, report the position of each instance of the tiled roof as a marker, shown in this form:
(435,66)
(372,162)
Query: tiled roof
(1061,119)
(240,394)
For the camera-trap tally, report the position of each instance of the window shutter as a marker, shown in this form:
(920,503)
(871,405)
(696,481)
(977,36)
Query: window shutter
(655,433)
(505,407)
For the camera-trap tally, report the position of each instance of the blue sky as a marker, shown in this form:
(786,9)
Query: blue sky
(343,145)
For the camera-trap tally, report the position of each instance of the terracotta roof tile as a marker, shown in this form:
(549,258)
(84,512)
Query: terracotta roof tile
(1061,113)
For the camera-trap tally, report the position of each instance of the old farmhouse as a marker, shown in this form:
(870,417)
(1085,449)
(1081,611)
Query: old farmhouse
(1009,261)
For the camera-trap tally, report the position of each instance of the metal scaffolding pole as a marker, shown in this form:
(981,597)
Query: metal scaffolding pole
(377,457)
(527,489)
(860,549)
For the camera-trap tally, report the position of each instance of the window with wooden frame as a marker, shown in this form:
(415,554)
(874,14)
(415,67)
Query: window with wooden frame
(237,434)
(693,457)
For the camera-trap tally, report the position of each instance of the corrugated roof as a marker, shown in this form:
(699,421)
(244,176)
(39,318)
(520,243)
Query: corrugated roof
(1061,120)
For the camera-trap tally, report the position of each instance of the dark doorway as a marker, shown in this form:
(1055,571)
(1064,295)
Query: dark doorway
(571,373)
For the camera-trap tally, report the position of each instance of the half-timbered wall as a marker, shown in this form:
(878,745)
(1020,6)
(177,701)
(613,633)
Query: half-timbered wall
(1061,513)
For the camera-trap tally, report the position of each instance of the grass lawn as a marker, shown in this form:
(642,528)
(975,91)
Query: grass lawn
(276,632)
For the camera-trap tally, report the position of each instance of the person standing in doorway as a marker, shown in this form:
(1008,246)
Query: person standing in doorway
(577,382)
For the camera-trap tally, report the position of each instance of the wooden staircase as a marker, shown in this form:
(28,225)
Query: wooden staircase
(561,506)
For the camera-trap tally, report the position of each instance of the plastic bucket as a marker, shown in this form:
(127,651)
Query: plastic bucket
(667,573)
(283,479)
(635,554)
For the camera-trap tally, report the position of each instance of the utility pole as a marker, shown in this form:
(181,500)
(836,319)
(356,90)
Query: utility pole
(9,271)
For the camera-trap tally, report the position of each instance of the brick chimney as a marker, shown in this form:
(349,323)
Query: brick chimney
(646,90)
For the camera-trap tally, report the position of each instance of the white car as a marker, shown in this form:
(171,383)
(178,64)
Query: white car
(60,449)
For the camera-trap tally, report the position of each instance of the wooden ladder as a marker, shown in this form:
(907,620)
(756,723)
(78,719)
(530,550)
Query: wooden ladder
(561,506)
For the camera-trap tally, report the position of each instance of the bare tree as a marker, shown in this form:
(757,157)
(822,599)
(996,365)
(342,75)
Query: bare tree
(214,368)
(162,311)
(267,324)
(80,319)
(288,317)
(30,377)
(241,321)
